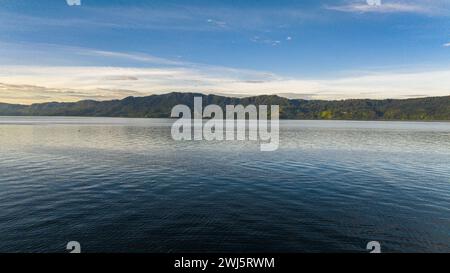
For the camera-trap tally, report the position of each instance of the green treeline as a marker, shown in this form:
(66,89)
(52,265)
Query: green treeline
(160,106)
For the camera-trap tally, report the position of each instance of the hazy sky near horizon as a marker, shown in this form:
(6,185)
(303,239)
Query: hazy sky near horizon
(335,49)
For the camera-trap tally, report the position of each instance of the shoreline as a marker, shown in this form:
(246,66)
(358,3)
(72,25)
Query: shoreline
(281,119)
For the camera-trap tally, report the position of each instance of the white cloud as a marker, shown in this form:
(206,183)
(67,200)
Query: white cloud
(27,84)
(129,56)
(266,41)
(446,45)
(385,8)
(427,7)
(219,24)
(72,81)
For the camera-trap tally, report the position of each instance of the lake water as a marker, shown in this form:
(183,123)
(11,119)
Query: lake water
(123,185)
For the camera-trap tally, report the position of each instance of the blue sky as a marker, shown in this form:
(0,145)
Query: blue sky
(103,49)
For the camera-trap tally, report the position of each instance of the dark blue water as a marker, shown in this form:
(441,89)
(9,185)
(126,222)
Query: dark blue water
(123,185)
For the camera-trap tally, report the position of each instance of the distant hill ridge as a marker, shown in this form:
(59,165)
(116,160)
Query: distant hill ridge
(160,106)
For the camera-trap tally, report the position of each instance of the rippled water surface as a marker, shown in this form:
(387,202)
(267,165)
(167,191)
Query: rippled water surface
(123,185)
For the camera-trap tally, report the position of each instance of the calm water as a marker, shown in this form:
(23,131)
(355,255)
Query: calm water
(123,185)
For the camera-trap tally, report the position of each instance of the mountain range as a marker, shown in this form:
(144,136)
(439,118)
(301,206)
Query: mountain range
(160,106)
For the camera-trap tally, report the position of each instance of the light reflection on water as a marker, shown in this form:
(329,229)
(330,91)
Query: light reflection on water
(123,185)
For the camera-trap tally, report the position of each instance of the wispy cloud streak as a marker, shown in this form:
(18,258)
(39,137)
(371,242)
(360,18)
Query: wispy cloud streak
(26,84)
(425,7)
